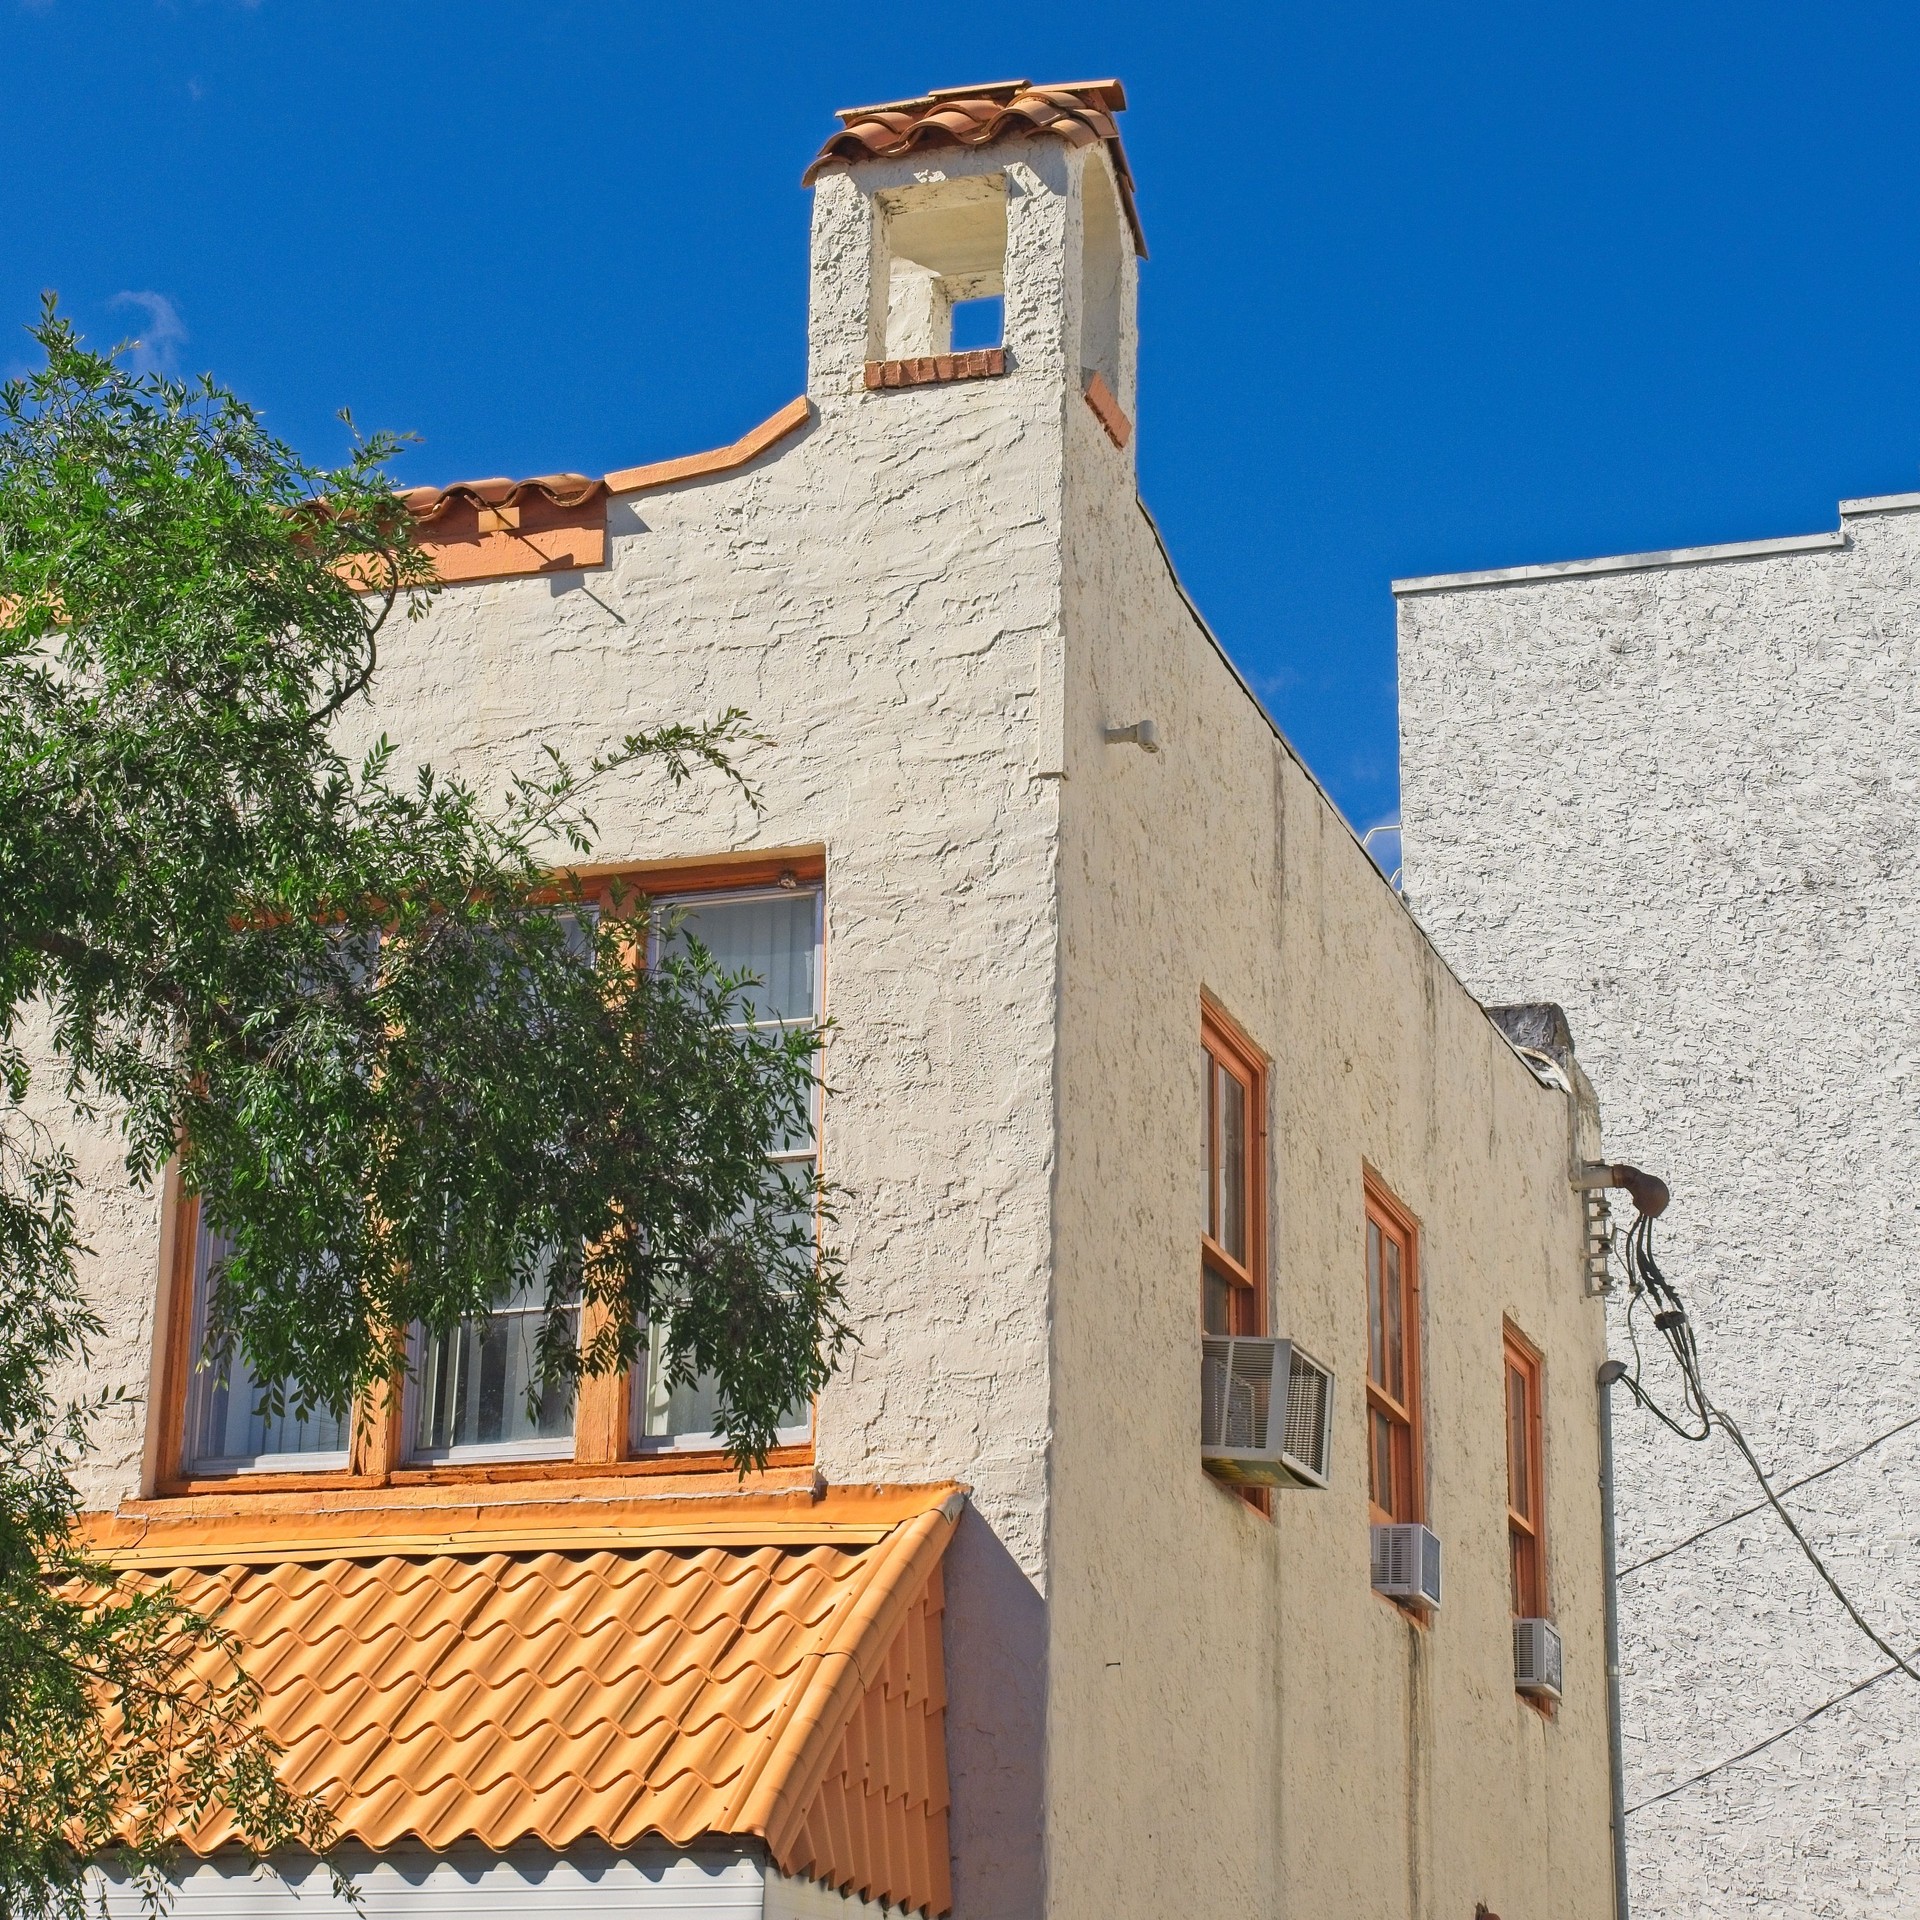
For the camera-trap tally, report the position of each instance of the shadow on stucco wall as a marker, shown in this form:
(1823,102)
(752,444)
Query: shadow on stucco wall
(996,1626)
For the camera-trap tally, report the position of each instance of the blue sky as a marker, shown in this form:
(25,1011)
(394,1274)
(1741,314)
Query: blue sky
(1431,287)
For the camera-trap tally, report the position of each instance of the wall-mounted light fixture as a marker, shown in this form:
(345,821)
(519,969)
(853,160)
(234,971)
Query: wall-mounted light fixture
(1142,734)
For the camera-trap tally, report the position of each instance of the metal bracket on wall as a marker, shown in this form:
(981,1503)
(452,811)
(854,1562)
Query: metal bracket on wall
(1599,1245)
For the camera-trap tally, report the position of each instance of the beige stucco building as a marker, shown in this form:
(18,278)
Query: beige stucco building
(1077,982)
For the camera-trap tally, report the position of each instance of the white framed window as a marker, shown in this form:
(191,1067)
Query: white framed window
(226,1429)
(473,1395)
(469,1397)
(774,934)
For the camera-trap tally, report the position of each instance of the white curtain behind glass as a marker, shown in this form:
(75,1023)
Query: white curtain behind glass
(226,1431)
(473,1383)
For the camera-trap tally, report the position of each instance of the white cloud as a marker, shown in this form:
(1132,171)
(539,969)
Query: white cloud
(157,348)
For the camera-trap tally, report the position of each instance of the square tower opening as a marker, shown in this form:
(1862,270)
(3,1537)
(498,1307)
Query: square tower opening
(943,245)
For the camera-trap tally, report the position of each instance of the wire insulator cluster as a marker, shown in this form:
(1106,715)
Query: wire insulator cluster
(1698,1416)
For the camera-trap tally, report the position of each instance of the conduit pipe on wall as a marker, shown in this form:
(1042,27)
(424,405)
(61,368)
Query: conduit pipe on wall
(1612,1372)
(1647,1191)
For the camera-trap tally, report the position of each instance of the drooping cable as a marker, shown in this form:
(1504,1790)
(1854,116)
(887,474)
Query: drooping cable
(1645,1279)
(1772,1740)
(1759,1506)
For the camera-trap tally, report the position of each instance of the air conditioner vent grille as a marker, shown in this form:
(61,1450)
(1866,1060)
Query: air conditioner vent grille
(1265,1412)
(1309,1426)
(1537,1658)
(1406,1563)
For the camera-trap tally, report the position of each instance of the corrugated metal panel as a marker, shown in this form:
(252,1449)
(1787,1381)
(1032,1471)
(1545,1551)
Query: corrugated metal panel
(416,1885)
(790,1899)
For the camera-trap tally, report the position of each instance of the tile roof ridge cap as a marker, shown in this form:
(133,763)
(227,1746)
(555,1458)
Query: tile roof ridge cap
(1109,94)
(774,1795)
(497,490)
(920,102)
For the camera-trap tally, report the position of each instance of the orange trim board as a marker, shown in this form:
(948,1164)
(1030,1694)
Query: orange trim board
(376,1523)
(693,466)
(787,1692)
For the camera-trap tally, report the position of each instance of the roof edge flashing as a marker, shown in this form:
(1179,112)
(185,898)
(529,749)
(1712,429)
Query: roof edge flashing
(1623,563)
(1880,503)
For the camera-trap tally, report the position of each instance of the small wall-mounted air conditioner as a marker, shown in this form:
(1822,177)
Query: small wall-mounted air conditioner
(1406,1564)
(1536,1658)
(1266,1412)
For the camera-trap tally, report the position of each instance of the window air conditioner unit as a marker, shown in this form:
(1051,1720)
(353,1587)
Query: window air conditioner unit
(1266,1412)
(1536,1658)
(1406,1564)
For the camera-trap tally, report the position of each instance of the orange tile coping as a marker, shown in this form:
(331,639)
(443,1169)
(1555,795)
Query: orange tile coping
(737,1670)
(495,529)
(502,529)
(692,466)
(1106,409)
(976,363)
(1079,112)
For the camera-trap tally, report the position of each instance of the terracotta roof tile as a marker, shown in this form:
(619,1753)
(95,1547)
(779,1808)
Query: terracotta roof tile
(786,1690)
(1076,111)
(567,490)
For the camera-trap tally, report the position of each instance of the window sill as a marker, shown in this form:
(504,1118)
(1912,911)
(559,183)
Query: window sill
(786,1466)
(523,1453)
(936,369)
(274,1467)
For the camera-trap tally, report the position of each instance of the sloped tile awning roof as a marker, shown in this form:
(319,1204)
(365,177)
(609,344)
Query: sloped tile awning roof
(768,1671)
(1079,112)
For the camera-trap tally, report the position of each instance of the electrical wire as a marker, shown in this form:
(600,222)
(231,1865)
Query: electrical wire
(1760,1506)
(1772,1739)
(1645,1280)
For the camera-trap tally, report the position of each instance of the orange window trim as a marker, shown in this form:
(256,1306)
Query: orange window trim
(377,1454)
(1523,1409)
(1402,1415)
(1225,1044)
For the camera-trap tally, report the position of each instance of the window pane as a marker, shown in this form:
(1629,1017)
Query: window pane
(1233,1166)
(1376,1318)
(1405,1501)
(1380,1460)
(689,1413)
(1208,1194)
(1395,1302)
(771,936)
(1519,1476)
(473,1383)
(226,1432)
(1216,1302)
(692,1412)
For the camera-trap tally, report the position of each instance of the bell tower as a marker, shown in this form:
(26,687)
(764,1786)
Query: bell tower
(981,233)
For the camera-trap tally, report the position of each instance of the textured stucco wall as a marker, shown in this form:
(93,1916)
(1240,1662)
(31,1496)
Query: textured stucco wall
(1228,1692)
(1681,802)
(889,595)
(882,595)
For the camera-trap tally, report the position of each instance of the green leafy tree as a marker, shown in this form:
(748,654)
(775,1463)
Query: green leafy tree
(403,1062)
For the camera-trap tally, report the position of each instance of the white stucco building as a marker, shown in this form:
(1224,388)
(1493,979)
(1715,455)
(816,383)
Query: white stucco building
(1676,792)
(985,1635)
